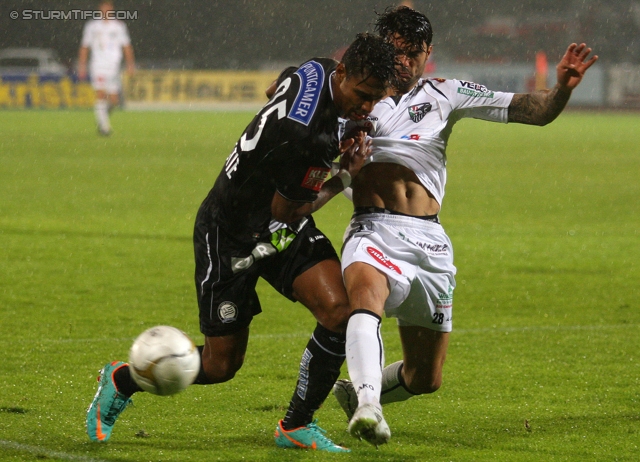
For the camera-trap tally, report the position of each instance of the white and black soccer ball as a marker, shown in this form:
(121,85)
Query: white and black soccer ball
(163,360)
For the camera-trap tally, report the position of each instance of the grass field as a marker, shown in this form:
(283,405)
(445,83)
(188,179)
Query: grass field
(95,247)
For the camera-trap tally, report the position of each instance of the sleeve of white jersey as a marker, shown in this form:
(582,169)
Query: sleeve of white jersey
(86,35)
(124,35)
(477,101)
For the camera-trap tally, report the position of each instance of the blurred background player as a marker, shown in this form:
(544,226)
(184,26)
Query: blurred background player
(107,40)
(256,222)
(397,259)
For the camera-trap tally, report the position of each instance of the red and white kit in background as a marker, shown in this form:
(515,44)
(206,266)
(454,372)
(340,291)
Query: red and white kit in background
(105,39)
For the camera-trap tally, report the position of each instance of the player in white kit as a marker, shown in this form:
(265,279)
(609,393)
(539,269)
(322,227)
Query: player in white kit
(396,258)
(107,40)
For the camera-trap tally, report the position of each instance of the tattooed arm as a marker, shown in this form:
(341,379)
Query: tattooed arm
(542,107)
(539,107)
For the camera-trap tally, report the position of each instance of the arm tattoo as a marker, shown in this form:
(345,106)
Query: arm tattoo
(538,108)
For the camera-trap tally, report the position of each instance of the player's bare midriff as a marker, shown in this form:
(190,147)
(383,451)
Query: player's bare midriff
(393,187)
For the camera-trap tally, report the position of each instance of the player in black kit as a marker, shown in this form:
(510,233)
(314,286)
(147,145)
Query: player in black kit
(256,222)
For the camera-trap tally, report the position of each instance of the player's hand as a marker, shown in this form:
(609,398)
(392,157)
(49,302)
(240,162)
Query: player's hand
(82,73)
(355,151)
(573,65)
(352,127)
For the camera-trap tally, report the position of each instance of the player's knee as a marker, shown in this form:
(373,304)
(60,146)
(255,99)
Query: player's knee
(425,385)
(430,387)
(335,316)
(225,375)
(422,383)
(221,371)
(221,376)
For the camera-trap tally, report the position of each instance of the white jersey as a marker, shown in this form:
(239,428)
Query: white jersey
(414,131)
(105,38)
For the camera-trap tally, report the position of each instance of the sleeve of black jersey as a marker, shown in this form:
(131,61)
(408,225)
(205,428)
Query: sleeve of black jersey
(301,176)
(301,171)
(286,72)
(298,173)
(271,130)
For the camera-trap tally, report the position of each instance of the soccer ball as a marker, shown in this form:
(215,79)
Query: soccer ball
(163,360)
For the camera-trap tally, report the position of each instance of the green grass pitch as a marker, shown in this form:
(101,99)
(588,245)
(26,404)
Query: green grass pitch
(95,247)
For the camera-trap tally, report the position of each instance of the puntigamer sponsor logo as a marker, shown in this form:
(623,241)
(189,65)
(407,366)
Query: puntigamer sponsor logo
(312,78)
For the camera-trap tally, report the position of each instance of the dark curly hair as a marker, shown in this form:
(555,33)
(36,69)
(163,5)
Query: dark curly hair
(413,26)
(371,56)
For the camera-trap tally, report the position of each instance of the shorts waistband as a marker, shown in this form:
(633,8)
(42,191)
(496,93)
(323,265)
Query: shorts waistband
(373,209)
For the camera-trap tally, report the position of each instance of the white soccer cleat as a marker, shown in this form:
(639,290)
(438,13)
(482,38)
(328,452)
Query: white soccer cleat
(346,395)
(368,423)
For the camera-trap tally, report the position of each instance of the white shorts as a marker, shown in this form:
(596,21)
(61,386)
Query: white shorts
(109,82)
(417,258)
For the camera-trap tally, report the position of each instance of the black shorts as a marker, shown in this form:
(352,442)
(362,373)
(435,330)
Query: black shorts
(228,300)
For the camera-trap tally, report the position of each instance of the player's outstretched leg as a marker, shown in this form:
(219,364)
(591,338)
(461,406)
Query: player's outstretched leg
(368,423)
(101,111)
(308,437)
(346,396)
(106,405)
(393,390)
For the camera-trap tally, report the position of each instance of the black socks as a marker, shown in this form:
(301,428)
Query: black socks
(319,369)
(124,382)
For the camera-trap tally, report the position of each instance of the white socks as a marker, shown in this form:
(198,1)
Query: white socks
(365,356)
(101,111)
(393,387)
(365,360)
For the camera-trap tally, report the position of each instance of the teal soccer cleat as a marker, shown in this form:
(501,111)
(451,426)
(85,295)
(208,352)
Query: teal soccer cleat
(308,437)
(106,405)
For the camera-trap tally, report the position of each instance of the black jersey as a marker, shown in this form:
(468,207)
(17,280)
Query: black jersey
(288,147)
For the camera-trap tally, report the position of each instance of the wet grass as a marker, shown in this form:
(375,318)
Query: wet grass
(96,246)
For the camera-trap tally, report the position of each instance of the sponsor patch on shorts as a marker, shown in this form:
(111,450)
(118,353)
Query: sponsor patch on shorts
(381,258)
(445,300)
(317,238)
(227,312)
(434,249)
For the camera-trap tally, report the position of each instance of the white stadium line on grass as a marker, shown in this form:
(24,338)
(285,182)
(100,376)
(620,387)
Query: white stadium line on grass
(482,330)
(479,330)
(44,452)
(130,340)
